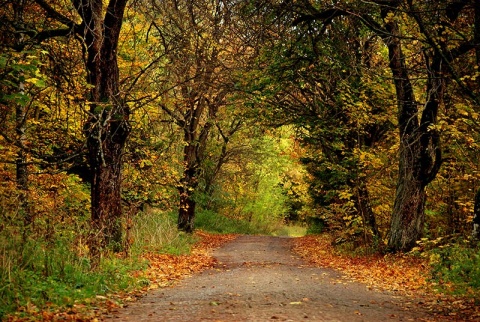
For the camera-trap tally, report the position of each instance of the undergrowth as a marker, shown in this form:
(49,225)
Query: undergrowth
(40,277)
(212,222)
(51,271)
(455,265)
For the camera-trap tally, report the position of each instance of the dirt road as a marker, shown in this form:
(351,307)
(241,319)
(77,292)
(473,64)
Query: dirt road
(258,278)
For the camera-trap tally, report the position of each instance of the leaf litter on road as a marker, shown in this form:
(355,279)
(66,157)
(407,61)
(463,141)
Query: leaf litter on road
(403,274)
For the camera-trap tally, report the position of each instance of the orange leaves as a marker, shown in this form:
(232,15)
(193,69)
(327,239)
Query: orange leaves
(209,241)
(165,269)
(391,272)
(400,273)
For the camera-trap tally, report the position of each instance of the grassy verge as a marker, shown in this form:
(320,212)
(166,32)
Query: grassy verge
(42,278)
(49,277)
(212,222)
(43,275)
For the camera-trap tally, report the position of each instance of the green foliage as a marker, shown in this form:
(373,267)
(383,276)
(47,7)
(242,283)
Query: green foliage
(291,231)
(337,107)
(315,225)
(262,183)
(19,68)
(54,271)
(455,267)
(51,274)
(212,222)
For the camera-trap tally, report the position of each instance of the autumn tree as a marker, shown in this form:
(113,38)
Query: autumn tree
(15,96)
(420,153)
(195,81)
(97,26)
(320,86)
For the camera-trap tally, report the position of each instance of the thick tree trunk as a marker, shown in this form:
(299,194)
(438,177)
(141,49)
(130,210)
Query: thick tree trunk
(105,159)
(420,156)
(107,128)
(408,210)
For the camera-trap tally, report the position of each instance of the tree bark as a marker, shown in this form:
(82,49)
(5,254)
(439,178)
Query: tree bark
(107,127)
(186,211)
(20,128)
(407,217)
(476,217)
(420,154)
(188,184)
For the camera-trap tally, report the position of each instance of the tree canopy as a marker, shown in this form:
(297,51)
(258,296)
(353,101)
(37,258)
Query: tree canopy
(356,117)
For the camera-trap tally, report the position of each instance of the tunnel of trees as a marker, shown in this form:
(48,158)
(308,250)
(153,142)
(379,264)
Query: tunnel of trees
(360,118)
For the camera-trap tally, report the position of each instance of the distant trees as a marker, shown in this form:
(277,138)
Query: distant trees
(196,82)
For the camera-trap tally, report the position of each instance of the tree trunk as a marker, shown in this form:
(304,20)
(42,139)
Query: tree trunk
(420,154)
(20,128)
(107,127)
(21,160)
(188,184)
(186,212)
(105,159)
(195,138)
(476,209)
(408,212)
(476,217)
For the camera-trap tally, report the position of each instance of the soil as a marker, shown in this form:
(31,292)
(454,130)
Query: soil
(258,278)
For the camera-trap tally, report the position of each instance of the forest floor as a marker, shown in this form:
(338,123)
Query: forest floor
(260,278)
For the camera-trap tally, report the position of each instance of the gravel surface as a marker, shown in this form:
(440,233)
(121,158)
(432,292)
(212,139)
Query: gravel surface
(258,278)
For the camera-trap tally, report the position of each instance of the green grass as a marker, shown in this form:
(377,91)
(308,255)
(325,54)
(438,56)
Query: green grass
(216,223)
(53,272)
(156,231)
(291,231)
(46,276)
(56,273)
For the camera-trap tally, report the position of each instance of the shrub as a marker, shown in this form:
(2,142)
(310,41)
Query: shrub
(456,268)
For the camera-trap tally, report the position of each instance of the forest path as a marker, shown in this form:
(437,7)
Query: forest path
(258,278)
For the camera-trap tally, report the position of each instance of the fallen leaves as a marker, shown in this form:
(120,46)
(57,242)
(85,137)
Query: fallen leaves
(400,273)
(391,272)
(163,270)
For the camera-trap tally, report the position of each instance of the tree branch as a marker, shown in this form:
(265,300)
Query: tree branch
(55,14)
